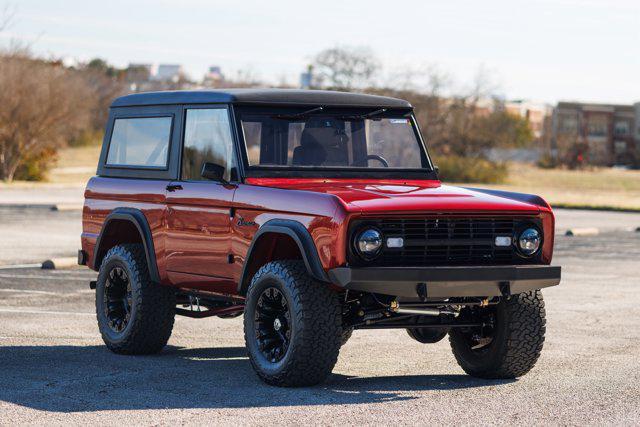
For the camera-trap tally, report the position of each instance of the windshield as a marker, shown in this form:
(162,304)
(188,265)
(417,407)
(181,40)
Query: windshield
(354,139)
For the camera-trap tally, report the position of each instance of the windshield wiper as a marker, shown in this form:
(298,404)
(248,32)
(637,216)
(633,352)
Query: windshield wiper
(366,116)
(298,115)
(374,113)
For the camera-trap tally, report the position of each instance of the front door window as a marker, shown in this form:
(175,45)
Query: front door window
(207,138)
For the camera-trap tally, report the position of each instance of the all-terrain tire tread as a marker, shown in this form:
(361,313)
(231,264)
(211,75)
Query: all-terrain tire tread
(155,305)
(526,329)
(317,309)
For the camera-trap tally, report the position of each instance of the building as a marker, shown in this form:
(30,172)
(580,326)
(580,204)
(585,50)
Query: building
(169,73)
(138,72)
(536,114)
(213,77)
(305,80)
(597,134)
(309,80)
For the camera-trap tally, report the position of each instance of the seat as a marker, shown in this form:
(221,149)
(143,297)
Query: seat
(321,144)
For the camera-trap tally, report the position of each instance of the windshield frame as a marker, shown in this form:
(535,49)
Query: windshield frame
(272,171)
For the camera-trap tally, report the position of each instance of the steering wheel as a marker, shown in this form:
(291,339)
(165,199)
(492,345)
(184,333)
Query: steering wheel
(365,162)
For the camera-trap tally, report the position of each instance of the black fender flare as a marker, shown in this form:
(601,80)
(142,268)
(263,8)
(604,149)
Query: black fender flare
(531,199)
(303,239)
(137,218)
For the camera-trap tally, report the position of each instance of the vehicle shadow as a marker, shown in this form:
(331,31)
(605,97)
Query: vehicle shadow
(91,378)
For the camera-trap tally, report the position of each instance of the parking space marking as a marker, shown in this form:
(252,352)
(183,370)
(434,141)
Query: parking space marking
(26,276)
(64,313)
(19,266)
(28,291)
(67,294)
(48,337)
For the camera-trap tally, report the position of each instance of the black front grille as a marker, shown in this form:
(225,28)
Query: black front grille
(448,241)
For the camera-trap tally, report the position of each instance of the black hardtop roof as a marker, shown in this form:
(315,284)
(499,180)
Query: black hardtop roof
(260,97)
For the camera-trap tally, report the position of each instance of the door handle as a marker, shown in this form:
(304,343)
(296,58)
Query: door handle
(174,187)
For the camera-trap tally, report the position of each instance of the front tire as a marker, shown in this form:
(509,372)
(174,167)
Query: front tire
(292,325)
(135,315)
(508,349)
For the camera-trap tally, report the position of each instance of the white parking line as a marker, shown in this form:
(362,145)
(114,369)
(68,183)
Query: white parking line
(66,313)
(33,292)
(25,276)
(17,266)
(47,338)
(28,291)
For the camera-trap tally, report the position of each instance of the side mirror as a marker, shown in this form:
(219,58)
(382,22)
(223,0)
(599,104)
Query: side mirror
(436,169)
(213,171)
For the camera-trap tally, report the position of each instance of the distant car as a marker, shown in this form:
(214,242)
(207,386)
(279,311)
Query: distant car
(313,213)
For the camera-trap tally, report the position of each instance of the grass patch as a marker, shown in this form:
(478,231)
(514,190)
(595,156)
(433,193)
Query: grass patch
(75,164)
(598,188)
(463,169)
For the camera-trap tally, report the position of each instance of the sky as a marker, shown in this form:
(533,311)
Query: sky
(541,50)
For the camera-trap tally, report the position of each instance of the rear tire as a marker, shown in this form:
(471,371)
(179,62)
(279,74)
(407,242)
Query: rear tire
(292,325)
(515,342)
(135,315)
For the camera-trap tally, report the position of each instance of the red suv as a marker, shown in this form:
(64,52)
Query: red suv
(313,213)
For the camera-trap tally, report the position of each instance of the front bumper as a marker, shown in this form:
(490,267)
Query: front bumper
(446,282)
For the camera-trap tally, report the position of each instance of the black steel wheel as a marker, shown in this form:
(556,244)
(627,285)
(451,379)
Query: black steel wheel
(118,299)
(292,325)
(135,315)
(272,320)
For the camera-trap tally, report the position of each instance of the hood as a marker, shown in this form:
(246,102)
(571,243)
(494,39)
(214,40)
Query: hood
(385,196)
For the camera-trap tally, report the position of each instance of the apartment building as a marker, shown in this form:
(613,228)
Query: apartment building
(598,134)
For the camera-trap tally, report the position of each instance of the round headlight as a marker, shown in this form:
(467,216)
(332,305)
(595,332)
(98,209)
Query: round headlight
(368,243)
(529,241)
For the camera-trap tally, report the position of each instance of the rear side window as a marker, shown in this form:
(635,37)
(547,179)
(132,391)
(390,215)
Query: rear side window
(140,142)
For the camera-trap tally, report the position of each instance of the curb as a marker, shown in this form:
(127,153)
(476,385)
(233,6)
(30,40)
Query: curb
(49,264)
(580,232)
(68,207)
(57,263)
(50,207)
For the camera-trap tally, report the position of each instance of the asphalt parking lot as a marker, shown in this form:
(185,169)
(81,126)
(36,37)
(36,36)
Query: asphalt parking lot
(55,369)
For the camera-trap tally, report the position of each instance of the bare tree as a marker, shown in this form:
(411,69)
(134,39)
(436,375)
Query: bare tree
(346,67)
(6,16)
(464,125)
(106,83)
(42,105)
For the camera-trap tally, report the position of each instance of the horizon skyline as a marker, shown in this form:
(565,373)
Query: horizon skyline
(529,67)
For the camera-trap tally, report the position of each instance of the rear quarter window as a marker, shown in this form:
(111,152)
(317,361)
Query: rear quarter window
(140,142)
